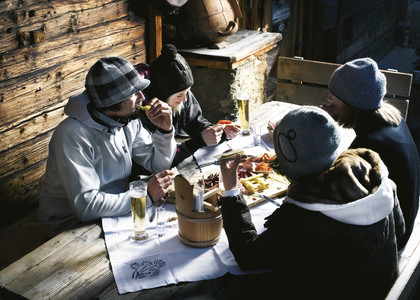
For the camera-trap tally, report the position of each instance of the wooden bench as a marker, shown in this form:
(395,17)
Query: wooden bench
(406,285)
(306,82)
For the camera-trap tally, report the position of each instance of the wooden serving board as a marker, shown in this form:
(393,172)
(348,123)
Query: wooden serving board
(277,187)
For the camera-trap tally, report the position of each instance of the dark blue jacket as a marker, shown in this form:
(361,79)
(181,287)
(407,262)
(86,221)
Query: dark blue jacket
(398,151)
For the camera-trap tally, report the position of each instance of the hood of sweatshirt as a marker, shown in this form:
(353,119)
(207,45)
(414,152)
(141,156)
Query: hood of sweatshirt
(356,190)
(79,107)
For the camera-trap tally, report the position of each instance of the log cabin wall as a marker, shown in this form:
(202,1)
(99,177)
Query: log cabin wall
(46,50)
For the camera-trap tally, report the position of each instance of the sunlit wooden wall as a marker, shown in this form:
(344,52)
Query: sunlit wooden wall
(46,49)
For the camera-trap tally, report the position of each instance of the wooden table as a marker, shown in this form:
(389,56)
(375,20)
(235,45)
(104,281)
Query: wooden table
(75,265)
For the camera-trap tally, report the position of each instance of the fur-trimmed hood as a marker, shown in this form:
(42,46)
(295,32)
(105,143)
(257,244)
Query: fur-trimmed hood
(355,190)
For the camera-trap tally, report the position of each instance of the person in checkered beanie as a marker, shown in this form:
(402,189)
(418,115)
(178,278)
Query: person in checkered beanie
(91,151)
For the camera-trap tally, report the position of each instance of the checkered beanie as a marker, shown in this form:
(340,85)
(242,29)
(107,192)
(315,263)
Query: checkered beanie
(359,83)
(112,80)
(169,73)
(306,142)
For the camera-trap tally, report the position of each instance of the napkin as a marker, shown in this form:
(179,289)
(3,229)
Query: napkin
(160,261)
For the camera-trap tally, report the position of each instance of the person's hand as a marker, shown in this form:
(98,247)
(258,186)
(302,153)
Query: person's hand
(159,185)
(229,170)
(160,114)
(231,131)
(212,135)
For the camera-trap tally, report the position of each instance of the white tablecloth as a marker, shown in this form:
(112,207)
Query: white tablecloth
(166,260)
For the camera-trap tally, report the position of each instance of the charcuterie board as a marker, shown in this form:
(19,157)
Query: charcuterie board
(277,186)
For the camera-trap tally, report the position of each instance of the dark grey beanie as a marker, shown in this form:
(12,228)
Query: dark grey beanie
(306,141)
(169,74)
(359,83)
(112,80)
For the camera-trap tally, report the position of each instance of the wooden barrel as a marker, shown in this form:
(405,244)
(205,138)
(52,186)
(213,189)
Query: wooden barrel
(196,229)
(199,232)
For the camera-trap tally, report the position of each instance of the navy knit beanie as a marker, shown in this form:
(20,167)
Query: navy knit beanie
(359,83)
(306,142)
(169,74)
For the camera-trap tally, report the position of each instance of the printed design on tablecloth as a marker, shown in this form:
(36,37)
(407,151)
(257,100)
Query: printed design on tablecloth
(147,268)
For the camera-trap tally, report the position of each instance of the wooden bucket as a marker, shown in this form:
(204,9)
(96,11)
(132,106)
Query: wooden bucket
(196,229)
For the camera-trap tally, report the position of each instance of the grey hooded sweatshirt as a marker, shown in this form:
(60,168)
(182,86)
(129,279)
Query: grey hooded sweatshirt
(89,164)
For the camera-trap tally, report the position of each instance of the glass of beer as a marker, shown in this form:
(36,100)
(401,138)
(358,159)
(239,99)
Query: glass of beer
(138,193)
(243,112)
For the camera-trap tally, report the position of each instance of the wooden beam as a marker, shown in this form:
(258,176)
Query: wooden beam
(267,20)
(155,32)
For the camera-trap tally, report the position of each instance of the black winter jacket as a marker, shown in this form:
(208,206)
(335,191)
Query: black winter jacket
(328,240)
(398,151)
(188,121)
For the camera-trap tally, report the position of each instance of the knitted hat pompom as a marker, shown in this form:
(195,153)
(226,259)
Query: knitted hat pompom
(169,52)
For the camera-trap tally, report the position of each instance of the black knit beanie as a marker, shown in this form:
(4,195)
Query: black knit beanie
(169,74)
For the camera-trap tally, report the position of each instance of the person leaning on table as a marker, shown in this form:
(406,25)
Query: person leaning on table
(91,151)
(356,101)
(171,80)
(334,236)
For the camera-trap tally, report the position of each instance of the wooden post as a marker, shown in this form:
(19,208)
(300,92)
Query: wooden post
(299,28)
(255,18)
(155,32)
(268,16)
(244,8)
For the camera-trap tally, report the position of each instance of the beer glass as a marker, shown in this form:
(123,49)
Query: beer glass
(243,112)
(138,193)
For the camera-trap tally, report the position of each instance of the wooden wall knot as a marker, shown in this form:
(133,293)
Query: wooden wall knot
(37,36)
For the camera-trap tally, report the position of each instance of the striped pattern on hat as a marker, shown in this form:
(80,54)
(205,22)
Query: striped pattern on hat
(112,80)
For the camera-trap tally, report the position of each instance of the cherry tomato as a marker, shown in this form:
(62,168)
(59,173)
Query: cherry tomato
(223,122)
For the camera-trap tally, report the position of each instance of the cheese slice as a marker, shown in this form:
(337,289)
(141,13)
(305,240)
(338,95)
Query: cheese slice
(230,154)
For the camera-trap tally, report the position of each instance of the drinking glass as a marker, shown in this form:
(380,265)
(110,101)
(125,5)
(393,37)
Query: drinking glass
(243,112)
(138,193)
(256,130)
(161,221)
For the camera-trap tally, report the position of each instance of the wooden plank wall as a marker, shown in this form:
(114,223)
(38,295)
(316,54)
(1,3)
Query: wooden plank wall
(46,49)
(254,17)
(341,30)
